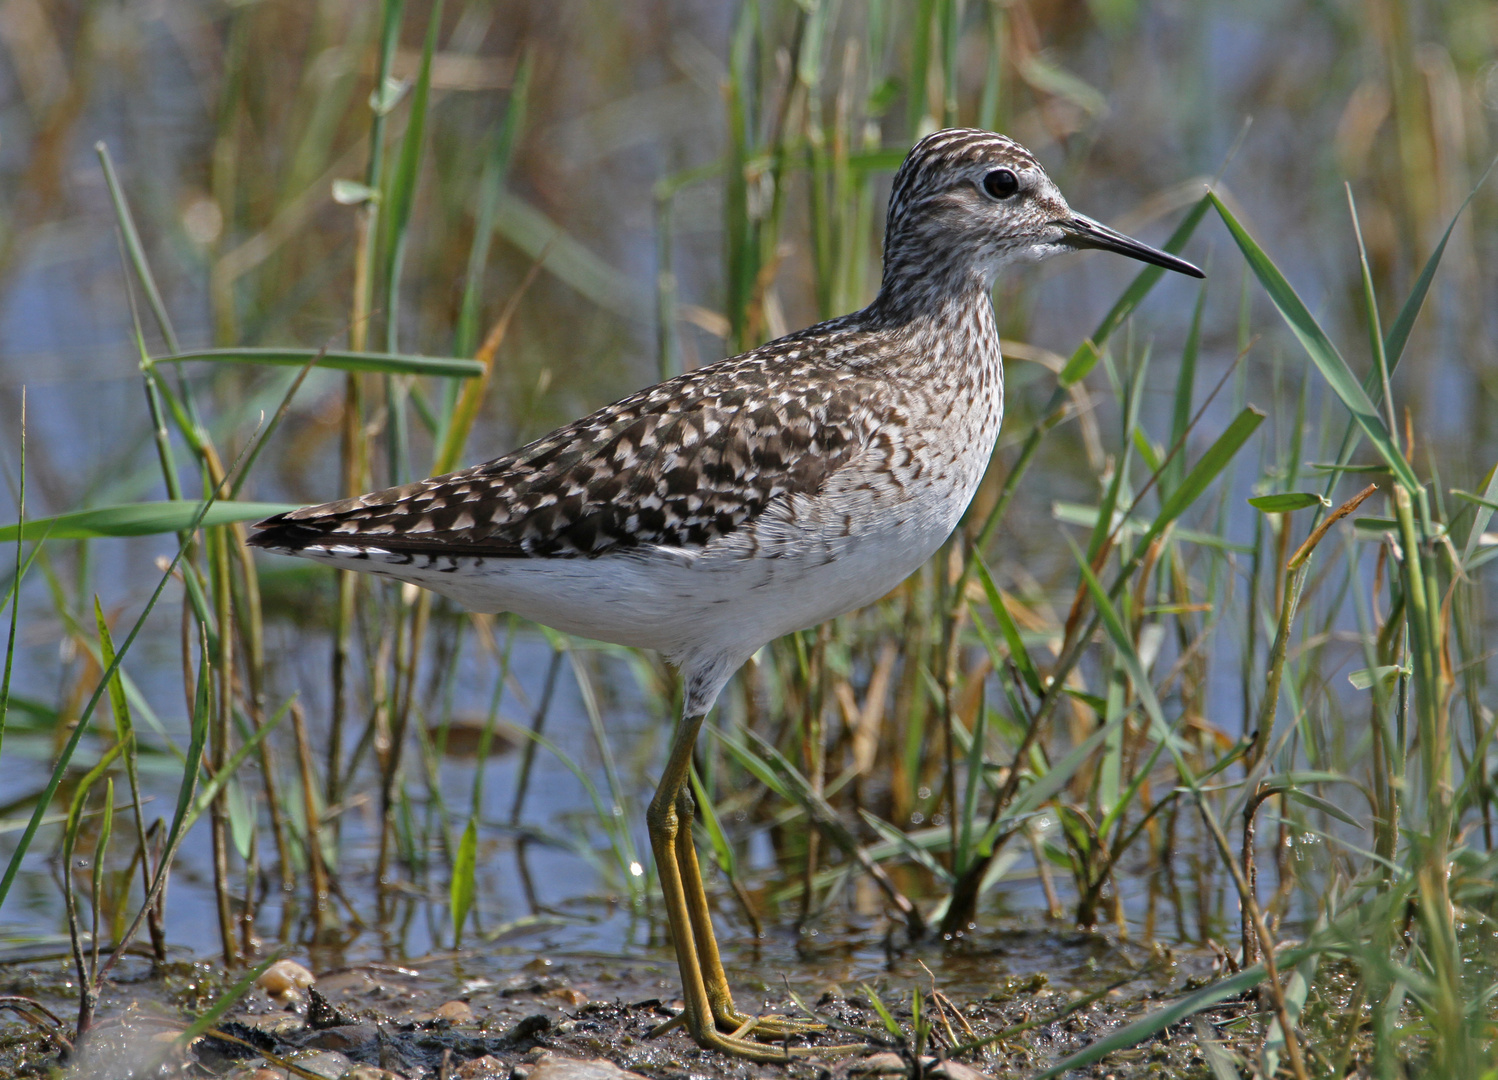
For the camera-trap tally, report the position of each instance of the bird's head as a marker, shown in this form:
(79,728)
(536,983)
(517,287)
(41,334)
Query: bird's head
(965,203)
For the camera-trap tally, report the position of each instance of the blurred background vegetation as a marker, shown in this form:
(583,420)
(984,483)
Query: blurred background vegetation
(588,197)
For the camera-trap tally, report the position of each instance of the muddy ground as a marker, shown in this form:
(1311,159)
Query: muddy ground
(518,1012)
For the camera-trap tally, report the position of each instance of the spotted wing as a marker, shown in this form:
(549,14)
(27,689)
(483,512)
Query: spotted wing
(678,464)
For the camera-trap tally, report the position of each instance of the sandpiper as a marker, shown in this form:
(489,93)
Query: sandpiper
(759,495)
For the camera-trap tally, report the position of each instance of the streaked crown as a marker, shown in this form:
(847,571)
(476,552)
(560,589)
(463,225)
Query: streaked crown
(951,158)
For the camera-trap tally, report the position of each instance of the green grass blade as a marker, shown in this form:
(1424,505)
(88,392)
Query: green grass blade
(569,260)
(211,1016)
(890,1024)
(754,765)
(70,844)
(185,812)
(800,791)
(1102,528)
(267,429)
(1375,327)
(386,363)
(1206,470)
(1142,1029)
(617,796)
(461,891)
(101,849)
(906,845)
(1152,455)
(402,194)
(124,731)
(466,338)
(612,823)
(1319,348)
(1180,416)
(1118,632)
(1326,806)
(887,160)
(1125,801)
(60,767)
(1354,470)
(154,394)
(400,198)
(231,766)
(14,595)
(1086,516)
(1046,787)
(1110,764)
(974,785)
(1017,651)
(134,248)
(712,826)
(140,519)
(124,727)
(80,794)
(241,815)
(1486,504)
(1288,501)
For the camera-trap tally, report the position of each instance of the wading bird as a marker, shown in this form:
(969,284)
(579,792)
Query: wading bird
(763,494)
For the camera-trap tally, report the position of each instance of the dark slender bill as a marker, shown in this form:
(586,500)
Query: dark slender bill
(1083,232)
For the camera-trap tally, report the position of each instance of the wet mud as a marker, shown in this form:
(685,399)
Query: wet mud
(1030,994)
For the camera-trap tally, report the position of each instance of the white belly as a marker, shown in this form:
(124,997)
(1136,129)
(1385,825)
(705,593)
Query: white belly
(664,598)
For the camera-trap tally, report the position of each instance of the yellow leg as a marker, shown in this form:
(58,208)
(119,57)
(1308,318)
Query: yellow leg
(668,839)
(719,997)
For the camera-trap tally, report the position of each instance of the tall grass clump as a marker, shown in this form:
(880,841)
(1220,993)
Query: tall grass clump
(1207,662)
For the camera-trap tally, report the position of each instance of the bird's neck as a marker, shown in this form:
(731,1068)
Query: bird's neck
(951,302)
(919,283)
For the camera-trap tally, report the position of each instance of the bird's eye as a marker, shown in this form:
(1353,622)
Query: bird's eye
(1001,183)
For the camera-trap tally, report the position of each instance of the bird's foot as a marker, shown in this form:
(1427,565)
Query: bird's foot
(766,1026)
(731,1031)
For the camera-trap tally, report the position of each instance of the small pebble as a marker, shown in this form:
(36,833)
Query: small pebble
(370,1072)
(326,1063)
(487,1067)
(528,1027)
(455,1012)
(886,1064)
(344,1037)
(285,978)
(560,1068)
(956,1070)
(281,1025)
(889,1064)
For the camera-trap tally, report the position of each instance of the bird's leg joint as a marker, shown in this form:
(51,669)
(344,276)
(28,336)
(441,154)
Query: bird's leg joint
(662,817)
